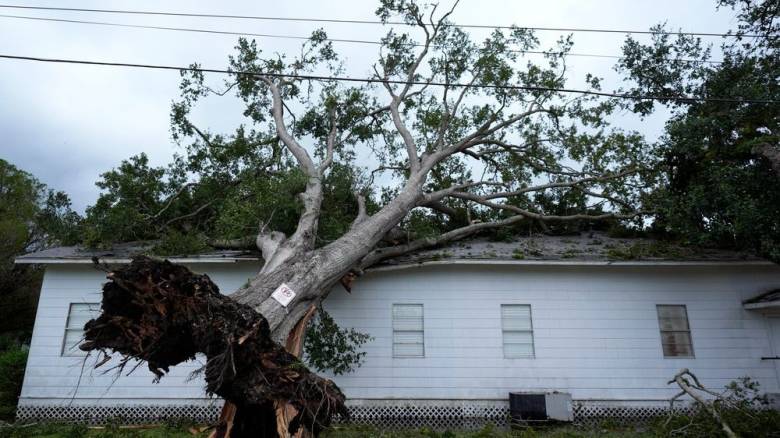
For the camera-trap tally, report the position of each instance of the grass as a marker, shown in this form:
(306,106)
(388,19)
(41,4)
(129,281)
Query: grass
(486,432)
(111,431)
(178,431)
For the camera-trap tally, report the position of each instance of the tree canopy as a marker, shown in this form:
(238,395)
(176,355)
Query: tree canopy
(32,217)
(721,160)
(499,139)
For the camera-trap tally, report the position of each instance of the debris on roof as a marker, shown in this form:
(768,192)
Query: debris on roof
(123,252)
(585,247)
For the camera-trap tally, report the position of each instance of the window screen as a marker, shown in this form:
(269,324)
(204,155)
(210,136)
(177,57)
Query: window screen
(78,315)
(675,331)
(517,331)
(408,335)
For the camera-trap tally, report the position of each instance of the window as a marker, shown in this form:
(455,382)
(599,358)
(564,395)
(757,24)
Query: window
(517,331)
(408,336)
(78,315)
(675,331)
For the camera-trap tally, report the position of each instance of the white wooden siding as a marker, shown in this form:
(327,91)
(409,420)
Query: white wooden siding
(595,332)
(51,378)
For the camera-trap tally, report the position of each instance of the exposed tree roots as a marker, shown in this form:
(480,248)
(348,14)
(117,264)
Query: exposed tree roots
(165,314)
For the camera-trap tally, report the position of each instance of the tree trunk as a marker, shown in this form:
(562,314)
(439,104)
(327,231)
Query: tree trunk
(164,314)
(771,153)
(311,273)
(294,346)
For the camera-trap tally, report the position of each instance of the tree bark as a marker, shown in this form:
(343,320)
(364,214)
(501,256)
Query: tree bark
(164,314)
(771,153)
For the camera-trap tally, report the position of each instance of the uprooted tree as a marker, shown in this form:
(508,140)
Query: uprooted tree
(466,137)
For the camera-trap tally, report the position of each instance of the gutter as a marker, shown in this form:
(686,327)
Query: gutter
(487,262)
(120,261)
(410,265)
(762,305)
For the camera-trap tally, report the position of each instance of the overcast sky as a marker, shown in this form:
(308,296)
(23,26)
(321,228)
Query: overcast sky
(68,123)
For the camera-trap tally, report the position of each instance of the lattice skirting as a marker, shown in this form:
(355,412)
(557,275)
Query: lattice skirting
(437,414)
(593,413)
(126,414)
(456,415)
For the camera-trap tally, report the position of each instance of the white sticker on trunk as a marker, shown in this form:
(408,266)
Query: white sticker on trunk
(283,294)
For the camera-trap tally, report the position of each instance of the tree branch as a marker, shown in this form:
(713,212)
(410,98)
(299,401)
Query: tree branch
(396,100)
(191,214)
(771,153)
(478,136)
(427,242)
(441,208)
(411,147)
(687,388)
(171,199)
(362,215)
(571,183)
(300,154)
(248,242)
(331,142)
(540,216)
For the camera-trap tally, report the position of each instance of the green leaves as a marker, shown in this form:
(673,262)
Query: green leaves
(718,182)
(32,217)
(330,347)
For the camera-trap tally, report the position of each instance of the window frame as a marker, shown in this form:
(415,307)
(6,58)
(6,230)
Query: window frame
(663,331)
(396,355)
(530,331)
(74,351)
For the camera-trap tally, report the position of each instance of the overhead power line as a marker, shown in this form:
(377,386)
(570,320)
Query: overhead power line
(391,81)
(299,37)
(347,21)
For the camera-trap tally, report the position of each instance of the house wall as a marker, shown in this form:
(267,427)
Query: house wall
(51,378)
(596,334)
(596,331)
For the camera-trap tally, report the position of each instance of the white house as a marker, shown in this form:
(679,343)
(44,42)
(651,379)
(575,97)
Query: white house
(608,321)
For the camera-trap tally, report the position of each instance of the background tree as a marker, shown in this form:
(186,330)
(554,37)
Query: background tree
(467,136)
(722,160)
(32,217)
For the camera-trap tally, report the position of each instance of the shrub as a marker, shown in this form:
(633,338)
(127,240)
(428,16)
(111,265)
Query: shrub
(330,347)
(12,363)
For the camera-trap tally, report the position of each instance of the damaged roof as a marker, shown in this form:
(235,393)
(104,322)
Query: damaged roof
(123,252)
(585,248)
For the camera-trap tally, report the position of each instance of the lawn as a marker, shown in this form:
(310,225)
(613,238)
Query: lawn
(77,431)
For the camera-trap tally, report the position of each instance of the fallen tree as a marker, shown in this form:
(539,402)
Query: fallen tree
(472,136)
(164,314)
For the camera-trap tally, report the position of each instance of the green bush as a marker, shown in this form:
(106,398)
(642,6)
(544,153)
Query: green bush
(12,362)
(330,347)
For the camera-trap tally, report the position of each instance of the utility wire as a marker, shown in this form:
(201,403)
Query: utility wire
(298,37)
(345,21)
(391,81)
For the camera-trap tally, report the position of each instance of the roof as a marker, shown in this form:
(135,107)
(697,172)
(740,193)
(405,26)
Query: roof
(590,248)
(123,252)
(767,300)
(593,248)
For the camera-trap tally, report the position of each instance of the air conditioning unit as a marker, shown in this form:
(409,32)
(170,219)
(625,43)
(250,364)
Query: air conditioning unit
(540,406)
